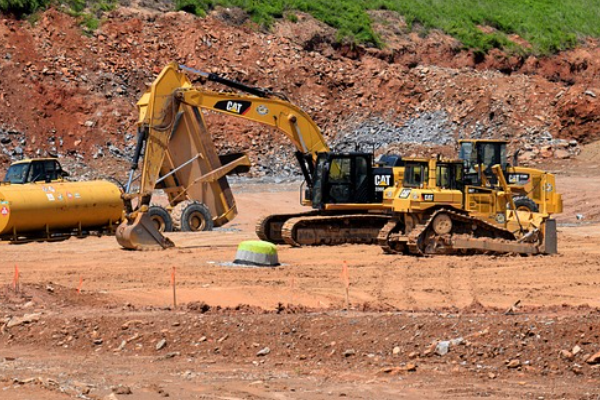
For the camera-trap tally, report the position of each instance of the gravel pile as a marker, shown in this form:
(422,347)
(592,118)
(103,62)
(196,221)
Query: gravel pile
(376,134)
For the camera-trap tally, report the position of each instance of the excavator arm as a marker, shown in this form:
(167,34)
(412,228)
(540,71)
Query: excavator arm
(158,115)
(161,108)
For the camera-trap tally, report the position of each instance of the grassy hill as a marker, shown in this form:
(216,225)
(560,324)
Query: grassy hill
(548,25)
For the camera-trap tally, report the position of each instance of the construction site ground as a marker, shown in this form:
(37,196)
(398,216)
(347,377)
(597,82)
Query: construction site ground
(287,333)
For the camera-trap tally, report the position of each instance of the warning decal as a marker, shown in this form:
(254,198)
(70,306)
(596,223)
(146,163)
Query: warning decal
(4,211)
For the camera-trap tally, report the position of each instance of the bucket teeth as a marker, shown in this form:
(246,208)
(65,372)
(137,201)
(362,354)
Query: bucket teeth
(141,234)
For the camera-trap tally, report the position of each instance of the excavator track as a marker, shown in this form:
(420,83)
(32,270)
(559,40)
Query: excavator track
(269,228)
(333,229)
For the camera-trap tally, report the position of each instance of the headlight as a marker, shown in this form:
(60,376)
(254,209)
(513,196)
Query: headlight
(501,218)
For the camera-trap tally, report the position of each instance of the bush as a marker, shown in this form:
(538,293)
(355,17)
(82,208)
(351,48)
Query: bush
(292,17)
(22,7)
(196,7)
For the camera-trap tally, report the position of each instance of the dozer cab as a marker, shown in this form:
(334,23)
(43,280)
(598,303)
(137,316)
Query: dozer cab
(533,189)
(440,209)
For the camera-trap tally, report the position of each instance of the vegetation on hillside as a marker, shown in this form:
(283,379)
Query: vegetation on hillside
(21,7)
(87,12)
(548,25)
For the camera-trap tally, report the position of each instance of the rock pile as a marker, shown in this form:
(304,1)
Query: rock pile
(73,95)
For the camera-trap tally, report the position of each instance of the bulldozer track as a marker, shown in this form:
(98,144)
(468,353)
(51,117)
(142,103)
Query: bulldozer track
(333,230)
(418,235)
(417,239)
(383,238)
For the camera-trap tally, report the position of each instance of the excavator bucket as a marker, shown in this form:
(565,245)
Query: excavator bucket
(140,233)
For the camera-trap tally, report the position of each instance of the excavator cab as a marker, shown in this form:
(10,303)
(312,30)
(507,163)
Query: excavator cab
(343,178)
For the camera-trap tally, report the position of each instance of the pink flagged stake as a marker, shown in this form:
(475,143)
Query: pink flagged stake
(80,285)
(344,275)
(16,283)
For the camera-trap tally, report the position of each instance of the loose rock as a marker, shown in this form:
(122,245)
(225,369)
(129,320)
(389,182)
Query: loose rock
(349,353)
(594,359)
(26,319)
(442,348)
(161,344)
(263,352)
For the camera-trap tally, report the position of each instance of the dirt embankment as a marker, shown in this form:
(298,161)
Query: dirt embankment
(73,95)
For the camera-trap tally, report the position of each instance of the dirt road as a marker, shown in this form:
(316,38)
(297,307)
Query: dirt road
(282,333)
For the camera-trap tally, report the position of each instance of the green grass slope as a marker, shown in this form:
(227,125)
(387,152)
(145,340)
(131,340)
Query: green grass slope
(548,25)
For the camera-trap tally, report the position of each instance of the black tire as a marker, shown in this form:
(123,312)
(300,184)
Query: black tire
(161,218)
(525,204)
(192,216)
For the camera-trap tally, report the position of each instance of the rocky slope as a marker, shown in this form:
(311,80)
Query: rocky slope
(71,94)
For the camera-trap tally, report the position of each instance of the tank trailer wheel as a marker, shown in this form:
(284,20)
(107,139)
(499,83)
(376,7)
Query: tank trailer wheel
(192,216)
(160,218)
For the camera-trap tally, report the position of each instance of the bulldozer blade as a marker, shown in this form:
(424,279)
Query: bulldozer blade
(550,238)
(141,234)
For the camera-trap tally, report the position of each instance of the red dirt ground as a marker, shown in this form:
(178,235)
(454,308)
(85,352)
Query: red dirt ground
(105,339)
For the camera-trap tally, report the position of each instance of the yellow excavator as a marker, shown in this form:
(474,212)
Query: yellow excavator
(339,186)
(352,197)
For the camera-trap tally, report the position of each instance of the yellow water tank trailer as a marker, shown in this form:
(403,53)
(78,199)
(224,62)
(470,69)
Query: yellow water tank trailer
(41,209)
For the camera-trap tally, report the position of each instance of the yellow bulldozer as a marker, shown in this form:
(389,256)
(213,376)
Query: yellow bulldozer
(353,198)
(439,209)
